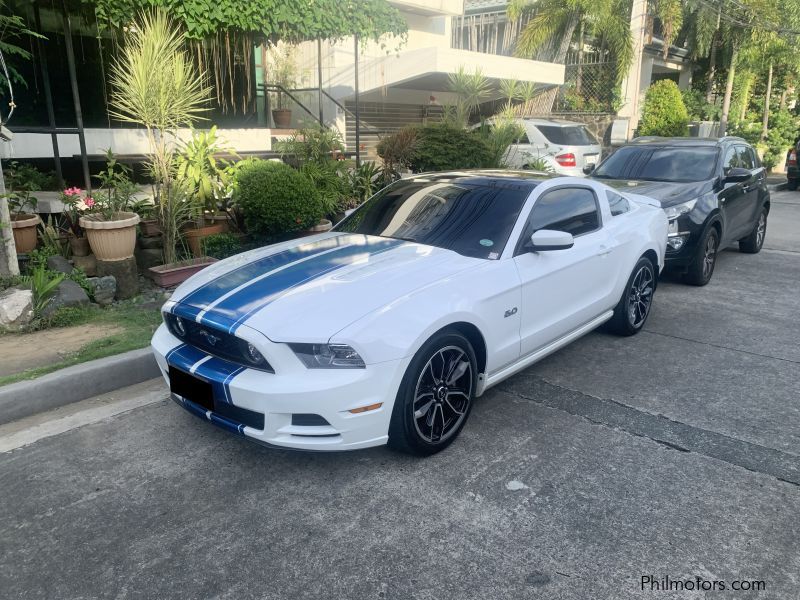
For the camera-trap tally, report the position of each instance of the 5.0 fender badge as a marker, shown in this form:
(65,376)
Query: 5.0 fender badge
(511,312)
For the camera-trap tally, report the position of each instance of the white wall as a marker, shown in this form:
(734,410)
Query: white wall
(122,141)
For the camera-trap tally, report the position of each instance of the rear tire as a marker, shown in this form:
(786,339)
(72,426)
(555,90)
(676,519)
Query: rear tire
(702,266)
(791,185)
(755,240)
(435,396)
(633,308)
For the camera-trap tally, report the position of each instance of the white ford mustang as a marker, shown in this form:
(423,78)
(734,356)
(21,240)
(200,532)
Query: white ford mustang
(387,328)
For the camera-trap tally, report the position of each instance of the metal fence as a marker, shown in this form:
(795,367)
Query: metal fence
(590,84)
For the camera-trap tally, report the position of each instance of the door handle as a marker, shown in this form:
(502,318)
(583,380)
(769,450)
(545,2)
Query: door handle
(604,250)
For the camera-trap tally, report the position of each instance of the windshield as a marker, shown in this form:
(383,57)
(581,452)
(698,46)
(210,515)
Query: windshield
(681,164)
(567,136)
(473,220)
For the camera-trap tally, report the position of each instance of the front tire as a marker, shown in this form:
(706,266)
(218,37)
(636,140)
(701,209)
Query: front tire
(435,396)
(632,311)
(755,240)
(705,259)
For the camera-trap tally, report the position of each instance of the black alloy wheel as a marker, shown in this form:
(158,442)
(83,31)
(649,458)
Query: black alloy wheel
(435,397)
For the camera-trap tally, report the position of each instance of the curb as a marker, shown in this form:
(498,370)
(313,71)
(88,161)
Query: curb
(777,187)
(75,383)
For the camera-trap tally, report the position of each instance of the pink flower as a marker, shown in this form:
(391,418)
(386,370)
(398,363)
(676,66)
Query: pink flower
(89,201)
(73,191)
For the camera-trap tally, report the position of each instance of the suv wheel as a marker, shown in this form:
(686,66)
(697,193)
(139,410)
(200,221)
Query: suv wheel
(705,259)
(752,243)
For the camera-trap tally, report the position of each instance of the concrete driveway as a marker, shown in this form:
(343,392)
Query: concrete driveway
(674,454)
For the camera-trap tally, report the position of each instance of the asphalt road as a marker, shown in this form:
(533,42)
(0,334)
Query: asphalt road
(675,453)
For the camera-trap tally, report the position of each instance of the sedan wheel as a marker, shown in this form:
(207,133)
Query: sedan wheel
(435,398)
(633,308)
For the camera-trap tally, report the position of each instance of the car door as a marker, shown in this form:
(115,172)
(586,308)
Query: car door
(751,188)
(733,198)
(563,289)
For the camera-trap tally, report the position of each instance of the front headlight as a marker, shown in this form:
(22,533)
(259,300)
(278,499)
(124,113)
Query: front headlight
(328,356)
(673,212)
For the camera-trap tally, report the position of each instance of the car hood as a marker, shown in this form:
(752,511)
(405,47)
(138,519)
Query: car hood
(309,290)
(667,193)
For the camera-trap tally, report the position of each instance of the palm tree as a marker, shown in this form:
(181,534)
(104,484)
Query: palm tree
(549,31)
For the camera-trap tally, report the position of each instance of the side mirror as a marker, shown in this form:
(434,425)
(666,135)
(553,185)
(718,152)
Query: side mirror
(545,240)
(588,169)
(736,175)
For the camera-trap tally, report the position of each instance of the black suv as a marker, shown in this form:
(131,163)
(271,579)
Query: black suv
(714,192)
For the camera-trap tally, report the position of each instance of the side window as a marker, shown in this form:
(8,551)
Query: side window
(569,209)
(617,204)
(745,157)
(523,139)
(731,160)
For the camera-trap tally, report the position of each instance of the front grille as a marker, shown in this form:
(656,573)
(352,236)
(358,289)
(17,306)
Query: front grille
(215,342)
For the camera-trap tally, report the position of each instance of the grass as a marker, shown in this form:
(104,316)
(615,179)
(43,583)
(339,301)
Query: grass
(138,323)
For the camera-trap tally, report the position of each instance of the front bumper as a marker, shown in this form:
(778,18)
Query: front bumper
(291,390)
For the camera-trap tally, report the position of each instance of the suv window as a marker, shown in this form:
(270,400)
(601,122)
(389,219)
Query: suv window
(659,163)
(746,159)
(569,209)
(576,135)
(617,204)
(731,159)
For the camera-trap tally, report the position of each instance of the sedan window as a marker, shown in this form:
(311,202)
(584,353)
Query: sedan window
(617,204)
(569,209)
(473,220)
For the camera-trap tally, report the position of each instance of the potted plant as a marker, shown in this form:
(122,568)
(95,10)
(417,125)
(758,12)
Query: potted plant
(76,204)
(21,181)
(207,180)
(155,84)
(23,224)
(282,72)
(111,226)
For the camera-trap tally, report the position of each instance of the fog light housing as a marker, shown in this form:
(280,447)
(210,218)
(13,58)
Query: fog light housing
(676,242)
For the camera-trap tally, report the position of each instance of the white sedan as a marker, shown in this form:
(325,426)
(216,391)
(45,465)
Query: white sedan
(387,328)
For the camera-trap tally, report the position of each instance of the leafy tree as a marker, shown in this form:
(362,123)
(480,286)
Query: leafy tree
(664,112)
(13,32)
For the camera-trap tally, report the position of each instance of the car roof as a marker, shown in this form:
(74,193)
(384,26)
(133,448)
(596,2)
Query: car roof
(494,177)
(683,141)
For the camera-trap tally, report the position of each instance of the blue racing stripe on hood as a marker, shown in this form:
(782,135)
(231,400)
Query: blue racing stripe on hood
(229,314)
(197,300)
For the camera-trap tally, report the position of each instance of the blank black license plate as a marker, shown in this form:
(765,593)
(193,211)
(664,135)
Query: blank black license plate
(191,388)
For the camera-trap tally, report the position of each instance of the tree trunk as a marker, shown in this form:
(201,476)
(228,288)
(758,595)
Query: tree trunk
(783,100)
(726,102)
(712,61)
(8,251)
(765,120)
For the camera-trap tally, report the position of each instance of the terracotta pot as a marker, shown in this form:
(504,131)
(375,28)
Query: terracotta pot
(25,234)
(195,237)
(172,274)
(220,219)
(150,227)
(114,239)
(79,246)
(282,118)
(321,227)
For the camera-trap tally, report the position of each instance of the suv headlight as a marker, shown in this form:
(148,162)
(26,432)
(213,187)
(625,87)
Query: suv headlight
(328,356)
(673,212)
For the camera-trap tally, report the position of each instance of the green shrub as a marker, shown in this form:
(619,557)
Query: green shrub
(441,147)
(697,107)
(222,245)
(276,199)
(781,134)
(664,112)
